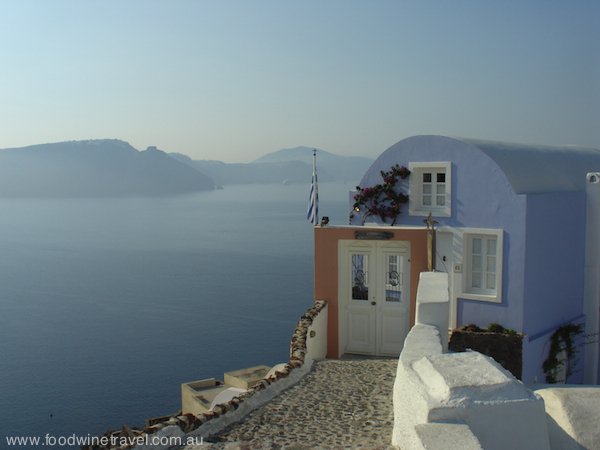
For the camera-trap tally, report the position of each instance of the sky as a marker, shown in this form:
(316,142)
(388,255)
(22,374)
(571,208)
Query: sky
(233,80)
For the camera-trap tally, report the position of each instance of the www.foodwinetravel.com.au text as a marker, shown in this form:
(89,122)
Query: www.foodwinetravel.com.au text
(49,440)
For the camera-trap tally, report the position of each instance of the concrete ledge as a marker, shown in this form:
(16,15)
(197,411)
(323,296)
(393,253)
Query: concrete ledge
(452,377)
(197,396)
(573,415)
(433,301)
(467,396)
(422,340)
(446,436)
(246,378)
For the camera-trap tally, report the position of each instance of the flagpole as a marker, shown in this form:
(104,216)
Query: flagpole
(313,201)
(316,222)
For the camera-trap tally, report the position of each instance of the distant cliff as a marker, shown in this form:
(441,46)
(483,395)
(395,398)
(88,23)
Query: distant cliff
(95,168)
(343,168)
(289,165)
(226,174)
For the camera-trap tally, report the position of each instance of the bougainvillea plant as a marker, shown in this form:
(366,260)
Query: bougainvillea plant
(381,200)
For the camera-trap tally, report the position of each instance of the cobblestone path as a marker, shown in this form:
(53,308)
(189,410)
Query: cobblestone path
(340,404)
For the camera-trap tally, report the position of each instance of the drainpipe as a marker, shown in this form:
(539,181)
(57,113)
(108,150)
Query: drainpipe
(591,296)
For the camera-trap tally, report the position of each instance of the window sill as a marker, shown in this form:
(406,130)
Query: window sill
(481,297)
(424,212)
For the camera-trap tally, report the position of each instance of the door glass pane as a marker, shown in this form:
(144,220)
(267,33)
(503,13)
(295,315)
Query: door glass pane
(360,277)
(393,279)
(392,267)
(393,296)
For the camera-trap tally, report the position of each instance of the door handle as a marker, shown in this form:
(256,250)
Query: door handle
(373,303)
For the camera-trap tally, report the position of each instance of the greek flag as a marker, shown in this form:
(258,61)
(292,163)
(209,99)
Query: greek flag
(313,201)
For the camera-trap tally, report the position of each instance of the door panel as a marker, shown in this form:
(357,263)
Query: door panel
(361,330)
(393,330)
(374,297)
(361,314)
(392,303)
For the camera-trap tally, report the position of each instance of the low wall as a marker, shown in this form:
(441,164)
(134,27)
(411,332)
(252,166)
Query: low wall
(471,398)
(467,401)
(573,414)
(316,334)
(304,348)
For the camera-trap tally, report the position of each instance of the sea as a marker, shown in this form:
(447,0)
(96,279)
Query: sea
(108,305)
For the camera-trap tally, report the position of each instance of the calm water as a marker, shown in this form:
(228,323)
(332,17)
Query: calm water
(108,305)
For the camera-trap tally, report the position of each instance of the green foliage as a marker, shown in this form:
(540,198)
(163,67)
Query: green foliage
(473,328)
(495,328)
(492,328)
(382,200)
(563,340)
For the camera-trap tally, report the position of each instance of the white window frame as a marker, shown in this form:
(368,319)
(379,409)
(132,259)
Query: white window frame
(415,183)
(468,292)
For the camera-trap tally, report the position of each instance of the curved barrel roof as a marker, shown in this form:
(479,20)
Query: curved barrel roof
(534,169)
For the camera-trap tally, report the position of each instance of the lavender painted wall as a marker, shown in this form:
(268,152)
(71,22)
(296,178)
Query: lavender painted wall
(554,274)
(543,233)
(555,256)
(482,197)
(481,194)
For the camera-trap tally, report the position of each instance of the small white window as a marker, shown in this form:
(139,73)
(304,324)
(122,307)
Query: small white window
(482,257)
(430,189)
(483,264)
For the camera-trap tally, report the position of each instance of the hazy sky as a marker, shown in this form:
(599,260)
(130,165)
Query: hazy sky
(233,80)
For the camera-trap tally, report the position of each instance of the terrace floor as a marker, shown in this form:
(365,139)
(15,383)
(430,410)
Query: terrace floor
(339,404)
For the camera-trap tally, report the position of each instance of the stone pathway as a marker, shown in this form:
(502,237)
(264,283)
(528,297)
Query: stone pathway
(339,404)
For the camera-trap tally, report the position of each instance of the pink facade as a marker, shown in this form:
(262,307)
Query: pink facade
(327,240)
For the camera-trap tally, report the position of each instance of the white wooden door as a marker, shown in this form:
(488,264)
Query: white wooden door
(374,297)
(359,292)
(393,300)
